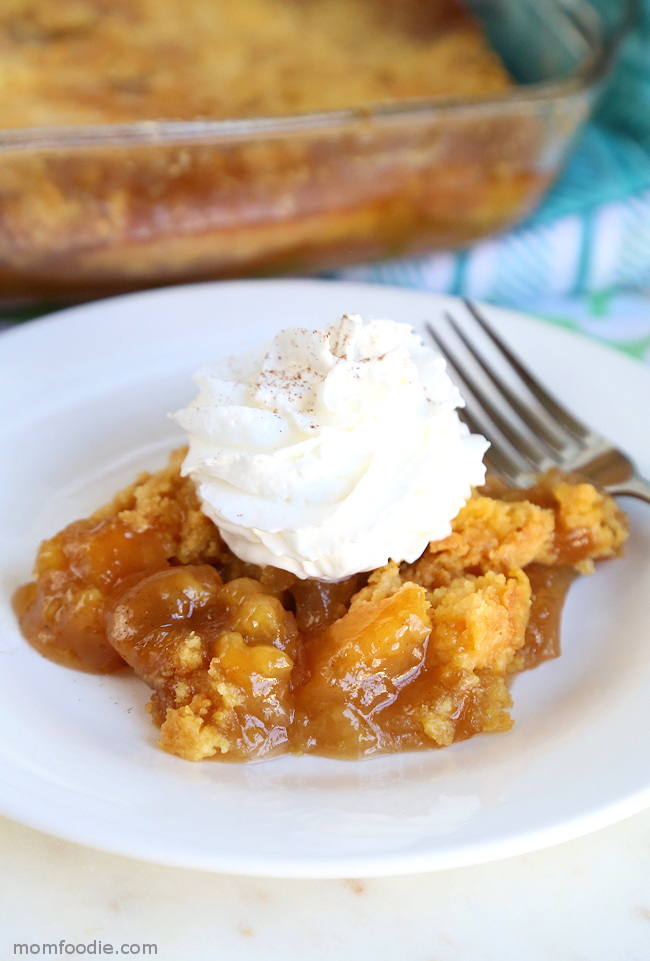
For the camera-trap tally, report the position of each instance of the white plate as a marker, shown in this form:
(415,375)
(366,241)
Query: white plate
(84,395)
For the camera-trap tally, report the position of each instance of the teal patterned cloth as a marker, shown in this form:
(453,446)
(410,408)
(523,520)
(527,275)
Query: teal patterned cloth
(587,248)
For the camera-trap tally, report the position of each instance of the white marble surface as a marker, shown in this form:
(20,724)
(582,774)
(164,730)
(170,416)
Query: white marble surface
(586,900)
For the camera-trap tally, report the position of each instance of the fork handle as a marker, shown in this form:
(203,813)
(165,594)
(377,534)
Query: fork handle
(635,486)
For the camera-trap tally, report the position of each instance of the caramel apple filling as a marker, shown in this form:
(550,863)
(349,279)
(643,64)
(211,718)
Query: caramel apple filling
(247,662)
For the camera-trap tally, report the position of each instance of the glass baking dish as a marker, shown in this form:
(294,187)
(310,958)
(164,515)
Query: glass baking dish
(91,210)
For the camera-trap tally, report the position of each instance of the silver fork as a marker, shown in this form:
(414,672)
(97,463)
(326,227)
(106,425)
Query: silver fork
(529,430)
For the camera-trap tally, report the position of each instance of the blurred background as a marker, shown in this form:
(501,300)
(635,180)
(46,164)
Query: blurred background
(583,255)
(495,149)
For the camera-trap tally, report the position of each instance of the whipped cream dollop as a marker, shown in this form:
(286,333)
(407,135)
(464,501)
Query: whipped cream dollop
(330,452)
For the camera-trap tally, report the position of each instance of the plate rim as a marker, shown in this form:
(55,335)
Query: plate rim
(543,837)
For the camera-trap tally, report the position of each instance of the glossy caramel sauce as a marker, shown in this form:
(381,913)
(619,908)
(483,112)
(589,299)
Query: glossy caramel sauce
(549,586)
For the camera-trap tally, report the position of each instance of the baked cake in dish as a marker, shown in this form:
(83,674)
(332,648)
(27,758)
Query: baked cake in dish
(152,142)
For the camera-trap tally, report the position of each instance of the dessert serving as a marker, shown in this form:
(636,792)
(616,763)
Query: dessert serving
(324,569)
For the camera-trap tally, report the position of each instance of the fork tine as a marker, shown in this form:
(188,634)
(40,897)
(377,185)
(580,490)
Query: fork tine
(563,417)
(543,434)
(528,454)
(495,457)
